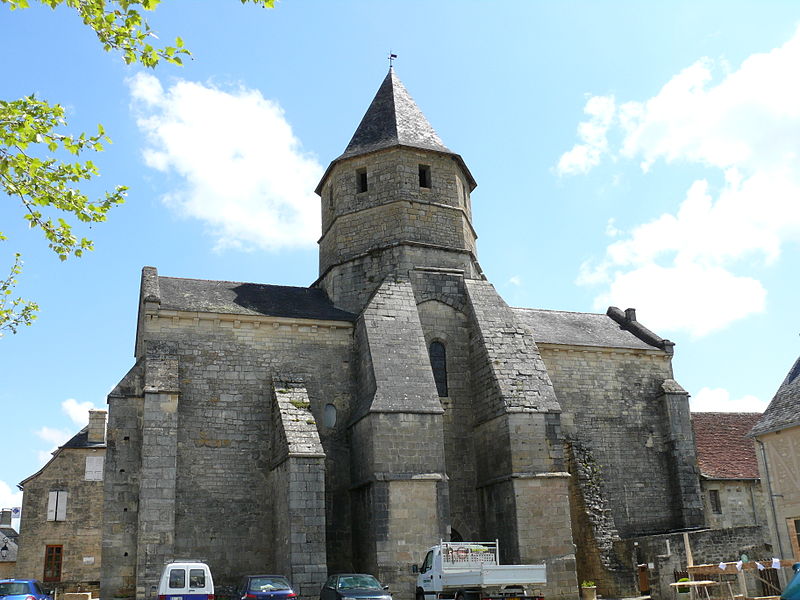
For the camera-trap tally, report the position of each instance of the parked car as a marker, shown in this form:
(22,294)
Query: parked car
(349,586)
(186,580)
(265,587)
(22,589)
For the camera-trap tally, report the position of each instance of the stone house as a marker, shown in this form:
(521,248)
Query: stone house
(729,478)
(8,545)
(395,402)
(62,512)
(777,437)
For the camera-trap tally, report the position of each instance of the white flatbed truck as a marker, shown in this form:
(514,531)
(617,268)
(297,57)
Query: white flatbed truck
(472,571)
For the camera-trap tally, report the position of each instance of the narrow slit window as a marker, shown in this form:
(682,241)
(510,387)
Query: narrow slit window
(424,176)
(716,505)
(361,180)
(330,197)
(438,356)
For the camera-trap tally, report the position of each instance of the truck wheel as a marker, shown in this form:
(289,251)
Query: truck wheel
(420,594)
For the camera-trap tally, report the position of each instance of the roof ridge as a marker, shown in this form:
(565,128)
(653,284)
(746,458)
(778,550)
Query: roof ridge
(296,287)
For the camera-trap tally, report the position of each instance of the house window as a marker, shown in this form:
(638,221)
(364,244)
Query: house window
(57,506)
(361,180)
(438,356)
(794,535)
(94,468)
(424,176)
(52,563)
(713,498)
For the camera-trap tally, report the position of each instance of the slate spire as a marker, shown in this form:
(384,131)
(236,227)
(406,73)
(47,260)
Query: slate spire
(393,119)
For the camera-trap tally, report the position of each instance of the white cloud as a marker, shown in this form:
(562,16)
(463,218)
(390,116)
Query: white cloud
(9,497)
(77,411)
(55,438)
(244,172)
(719,400)
(695,269)
(592,133)
(515,280)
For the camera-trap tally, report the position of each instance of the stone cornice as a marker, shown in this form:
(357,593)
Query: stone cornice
(257,321)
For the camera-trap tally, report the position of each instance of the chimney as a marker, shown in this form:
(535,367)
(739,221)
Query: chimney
(97,426)
(630,314)
(5,518)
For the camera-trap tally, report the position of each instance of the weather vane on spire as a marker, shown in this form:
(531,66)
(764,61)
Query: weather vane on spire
(392,56)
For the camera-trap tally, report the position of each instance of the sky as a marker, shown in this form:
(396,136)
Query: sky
(635,154)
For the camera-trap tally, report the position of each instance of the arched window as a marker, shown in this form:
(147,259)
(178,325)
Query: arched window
(438,357)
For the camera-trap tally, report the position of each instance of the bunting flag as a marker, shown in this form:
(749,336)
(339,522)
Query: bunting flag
(760,566)
(776,563)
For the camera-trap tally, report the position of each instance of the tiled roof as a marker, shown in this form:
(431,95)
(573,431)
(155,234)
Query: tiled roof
(784,410)
(578,329)
(723,450)
(228,297)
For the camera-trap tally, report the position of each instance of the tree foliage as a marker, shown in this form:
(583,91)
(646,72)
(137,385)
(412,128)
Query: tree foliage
(40,165)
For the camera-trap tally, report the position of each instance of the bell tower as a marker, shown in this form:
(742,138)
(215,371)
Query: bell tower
(396,199)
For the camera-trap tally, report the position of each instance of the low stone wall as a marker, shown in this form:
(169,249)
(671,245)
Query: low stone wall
(666,553)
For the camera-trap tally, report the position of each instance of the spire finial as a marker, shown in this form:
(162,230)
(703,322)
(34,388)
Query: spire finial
(392,56)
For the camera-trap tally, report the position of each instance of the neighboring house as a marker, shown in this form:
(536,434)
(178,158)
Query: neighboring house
(729,478)
(62,513)
(777,436)
(8,545)
(397,401)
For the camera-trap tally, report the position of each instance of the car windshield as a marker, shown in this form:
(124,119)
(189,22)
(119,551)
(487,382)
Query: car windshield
(268,584)
(12,588)
(367,582)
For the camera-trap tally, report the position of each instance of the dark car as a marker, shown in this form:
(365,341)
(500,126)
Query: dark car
(22,589)
(352,586)
(265,587)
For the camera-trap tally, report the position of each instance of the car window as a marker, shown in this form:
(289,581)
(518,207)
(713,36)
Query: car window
(12,588)
(197,578)
(177,578)
(268,584)
(37,588)
(426,566)
(367,582)
(331,583)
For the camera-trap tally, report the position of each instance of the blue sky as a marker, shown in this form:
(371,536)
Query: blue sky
(627,153)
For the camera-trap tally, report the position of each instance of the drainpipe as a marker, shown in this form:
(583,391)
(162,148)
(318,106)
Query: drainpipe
(771,496)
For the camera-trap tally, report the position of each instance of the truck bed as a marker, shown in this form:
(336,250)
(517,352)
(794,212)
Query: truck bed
(487,575)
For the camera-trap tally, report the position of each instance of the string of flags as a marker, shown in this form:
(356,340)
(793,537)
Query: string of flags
(776,564)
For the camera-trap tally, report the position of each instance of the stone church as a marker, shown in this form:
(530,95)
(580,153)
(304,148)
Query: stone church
(397,401)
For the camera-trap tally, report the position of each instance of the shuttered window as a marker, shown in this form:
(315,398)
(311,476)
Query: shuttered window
(94,468)
(57,506)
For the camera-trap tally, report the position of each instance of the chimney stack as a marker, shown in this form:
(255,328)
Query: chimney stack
(5,517)
(97,426)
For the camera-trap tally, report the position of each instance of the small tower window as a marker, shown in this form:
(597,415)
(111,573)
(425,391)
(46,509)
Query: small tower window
(424,176)
(716,505)
(361,180)
(438,356)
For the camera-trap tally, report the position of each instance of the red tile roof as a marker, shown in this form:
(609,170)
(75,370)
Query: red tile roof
(723,451)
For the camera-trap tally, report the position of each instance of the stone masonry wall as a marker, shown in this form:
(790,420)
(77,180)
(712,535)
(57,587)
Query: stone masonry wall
(741,501)
(121,491)
(226,364)
(79,533)
(445,324)
(610,404)
(667,554)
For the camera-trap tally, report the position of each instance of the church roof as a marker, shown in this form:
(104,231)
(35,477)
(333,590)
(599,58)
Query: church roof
(230,297)
(394,119)
(784,410)
(723,449)
(579,329)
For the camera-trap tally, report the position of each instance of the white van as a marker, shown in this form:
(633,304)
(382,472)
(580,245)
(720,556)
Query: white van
(186,580)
